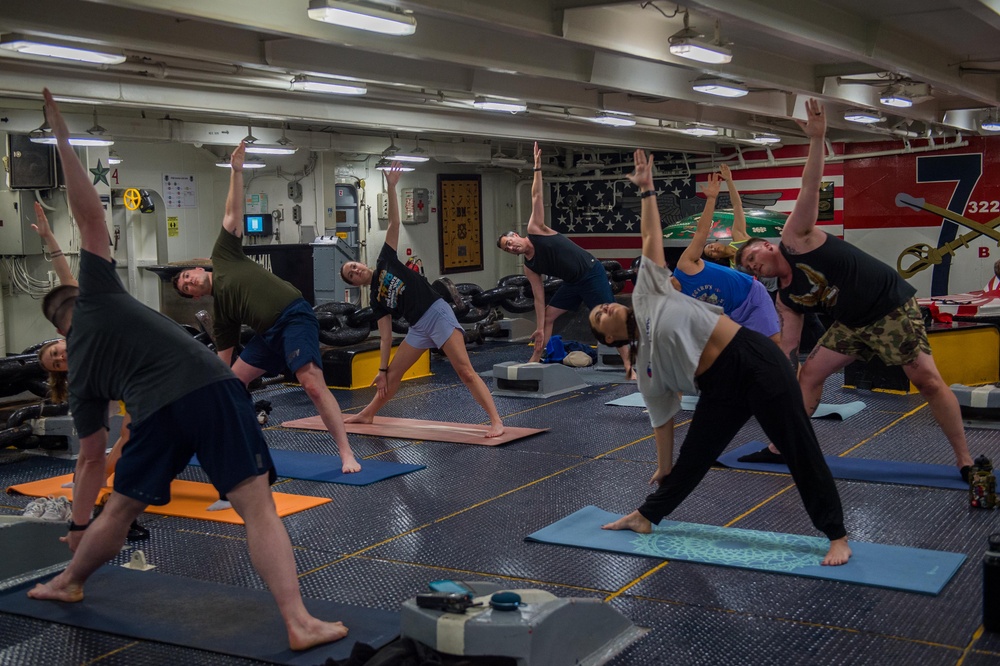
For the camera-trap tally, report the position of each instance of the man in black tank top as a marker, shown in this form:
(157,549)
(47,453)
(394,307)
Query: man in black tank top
(547,252)
(875,312)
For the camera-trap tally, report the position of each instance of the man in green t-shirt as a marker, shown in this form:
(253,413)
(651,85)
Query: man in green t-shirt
(287,331)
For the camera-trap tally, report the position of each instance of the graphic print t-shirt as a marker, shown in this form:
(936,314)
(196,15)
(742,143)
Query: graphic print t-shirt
(399,291)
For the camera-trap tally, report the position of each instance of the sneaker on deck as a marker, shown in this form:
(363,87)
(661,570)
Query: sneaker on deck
(36,507)
(58,510)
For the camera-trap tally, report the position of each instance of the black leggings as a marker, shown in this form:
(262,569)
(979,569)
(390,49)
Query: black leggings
(751,377)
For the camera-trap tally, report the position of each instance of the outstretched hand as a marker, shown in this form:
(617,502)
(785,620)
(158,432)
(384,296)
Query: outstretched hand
(238,156)
(538,156)
(712,185)
(52,114)
(392,175)
(41,225)
(815,123)
(726,173)
(642,177)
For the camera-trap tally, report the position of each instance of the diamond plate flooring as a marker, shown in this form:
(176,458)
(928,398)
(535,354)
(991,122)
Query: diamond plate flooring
(466,515)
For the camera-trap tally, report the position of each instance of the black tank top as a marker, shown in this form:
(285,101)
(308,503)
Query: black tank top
(559,257)
(837,278)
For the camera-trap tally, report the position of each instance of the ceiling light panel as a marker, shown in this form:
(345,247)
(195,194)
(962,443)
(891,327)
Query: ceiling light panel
(361,16)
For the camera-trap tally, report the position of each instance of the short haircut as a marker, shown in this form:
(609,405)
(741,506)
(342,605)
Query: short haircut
(343,275)
(501,237)
(753,240)
(996,268)
(176,281)
(56,301)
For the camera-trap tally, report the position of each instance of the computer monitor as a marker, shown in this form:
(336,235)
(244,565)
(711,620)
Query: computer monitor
(257,225)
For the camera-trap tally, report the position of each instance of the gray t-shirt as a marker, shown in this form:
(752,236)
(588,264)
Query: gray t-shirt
(119,349)
(673,331)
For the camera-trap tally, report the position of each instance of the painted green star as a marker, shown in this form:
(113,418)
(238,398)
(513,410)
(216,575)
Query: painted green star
(100,174)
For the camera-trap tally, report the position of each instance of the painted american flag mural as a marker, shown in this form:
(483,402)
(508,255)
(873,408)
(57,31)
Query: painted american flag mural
(602,216)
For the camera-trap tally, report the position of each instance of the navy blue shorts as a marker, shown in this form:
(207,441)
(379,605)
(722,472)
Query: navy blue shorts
(292,342)
(216,422)
(593,290)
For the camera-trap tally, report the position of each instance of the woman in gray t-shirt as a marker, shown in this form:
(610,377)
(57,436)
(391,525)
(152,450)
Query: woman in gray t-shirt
(679,344)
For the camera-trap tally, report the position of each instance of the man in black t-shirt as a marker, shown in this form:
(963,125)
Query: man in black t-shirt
(875,312)
(398,291)
(547,252)
(183,401)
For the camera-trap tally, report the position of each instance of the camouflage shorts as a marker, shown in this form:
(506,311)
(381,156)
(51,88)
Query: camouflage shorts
(897,338)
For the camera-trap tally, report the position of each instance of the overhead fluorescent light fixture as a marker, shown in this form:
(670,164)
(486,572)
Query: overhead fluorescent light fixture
(894,96)
(38,46)
(246,165)
(114,158)
(258,149)
(83,140)
(416,155)
(328,86)
(689,43)
(386,165)
(361,16)
(493,104)
(765,139)
(701,130)
(990,125)
(614,119)
(863,117)
(720,87)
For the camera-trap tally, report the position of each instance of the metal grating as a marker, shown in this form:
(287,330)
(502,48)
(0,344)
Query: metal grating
(466,516)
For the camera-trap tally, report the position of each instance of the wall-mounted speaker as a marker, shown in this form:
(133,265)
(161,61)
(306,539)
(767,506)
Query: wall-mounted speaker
(32,165)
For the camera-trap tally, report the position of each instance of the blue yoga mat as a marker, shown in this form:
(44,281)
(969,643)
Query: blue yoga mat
(861,469)
(631,400)
(319,467)
(181,611)
(824,411)
(876,565)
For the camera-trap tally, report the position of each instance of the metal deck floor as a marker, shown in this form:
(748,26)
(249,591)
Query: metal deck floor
(466,515)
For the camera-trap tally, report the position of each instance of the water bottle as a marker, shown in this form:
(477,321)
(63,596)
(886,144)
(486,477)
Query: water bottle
(982,485)
(991,585)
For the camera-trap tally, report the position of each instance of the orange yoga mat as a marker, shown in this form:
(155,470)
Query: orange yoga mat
(439,431)
(188,499)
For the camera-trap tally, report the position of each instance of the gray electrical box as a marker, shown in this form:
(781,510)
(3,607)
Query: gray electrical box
(346,215)
(17,214)
(416,206)
(329,255)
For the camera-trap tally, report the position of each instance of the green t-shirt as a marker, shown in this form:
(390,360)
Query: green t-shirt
(244,292)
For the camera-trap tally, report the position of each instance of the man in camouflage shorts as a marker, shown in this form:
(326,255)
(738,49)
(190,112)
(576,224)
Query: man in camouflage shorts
(897,338)
(872,306)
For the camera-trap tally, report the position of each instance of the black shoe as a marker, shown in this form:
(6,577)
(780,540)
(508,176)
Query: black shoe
(765,455)
(966,472)
(137,532)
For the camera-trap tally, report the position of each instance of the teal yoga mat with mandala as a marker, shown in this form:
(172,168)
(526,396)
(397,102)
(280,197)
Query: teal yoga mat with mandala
(878,565)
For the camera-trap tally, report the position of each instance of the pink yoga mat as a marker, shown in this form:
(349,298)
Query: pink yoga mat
(439,431)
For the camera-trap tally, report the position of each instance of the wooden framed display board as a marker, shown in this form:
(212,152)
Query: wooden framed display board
(461,221)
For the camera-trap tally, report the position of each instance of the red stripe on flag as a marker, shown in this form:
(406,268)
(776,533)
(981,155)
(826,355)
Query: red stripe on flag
(617,242)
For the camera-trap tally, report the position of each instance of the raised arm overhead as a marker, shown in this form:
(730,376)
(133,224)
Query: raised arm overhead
(59,262)
(233,220)
(391,179)
(652,232)
(739,217)
(83,199)
(690,260)
(536,223)
(800,233)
